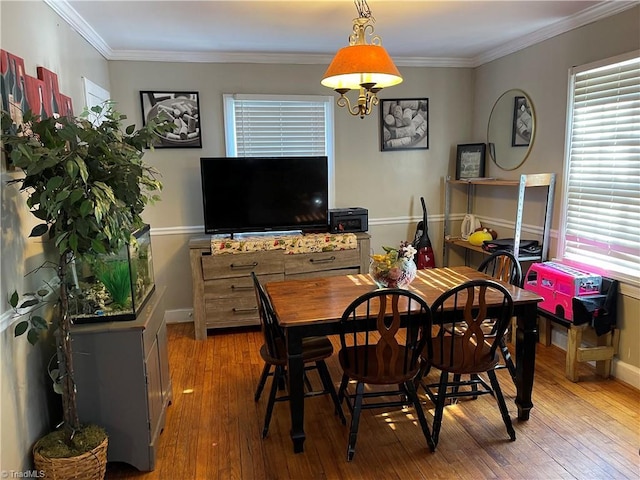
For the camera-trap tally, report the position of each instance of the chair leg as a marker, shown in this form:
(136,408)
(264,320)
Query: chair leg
(282,381)
(413,394)
(307,383)
(262,381)
(456,388)
(440,399)
(330,388)
(501,404)
(425,367)
(508,361)
(404,397)
(355,421)
(342,390)
(277,375)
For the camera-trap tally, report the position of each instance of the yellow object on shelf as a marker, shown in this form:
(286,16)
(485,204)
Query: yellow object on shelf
(478,238)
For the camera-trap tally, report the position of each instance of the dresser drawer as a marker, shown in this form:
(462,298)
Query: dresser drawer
(317,262)
(229,265)
(232,312)
(236,287)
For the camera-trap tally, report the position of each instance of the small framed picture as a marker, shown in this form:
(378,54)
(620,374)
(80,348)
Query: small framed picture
(404,124)
(522,123)
(470,161)
(183,108)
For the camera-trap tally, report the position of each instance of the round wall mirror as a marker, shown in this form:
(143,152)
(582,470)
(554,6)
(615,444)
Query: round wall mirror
(511,129)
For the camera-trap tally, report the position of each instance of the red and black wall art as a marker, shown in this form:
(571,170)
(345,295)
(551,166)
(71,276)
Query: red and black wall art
(22,92)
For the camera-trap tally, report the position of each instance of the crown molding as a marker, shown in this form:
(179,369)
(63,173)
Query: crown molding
(69,15)
(454,62)
(79,24)
(273,58)
(219,57)
(590,15)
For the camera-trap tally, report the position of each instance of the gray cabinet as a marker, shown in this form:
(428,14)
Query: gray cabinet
(123,381)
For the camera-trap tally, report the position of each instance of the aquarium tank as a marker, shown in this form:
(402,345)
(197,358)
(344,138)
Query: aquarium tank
(106,288)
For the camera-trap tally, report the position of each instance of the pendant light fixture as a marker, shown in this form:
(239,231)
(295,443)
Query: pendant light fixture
(362,66)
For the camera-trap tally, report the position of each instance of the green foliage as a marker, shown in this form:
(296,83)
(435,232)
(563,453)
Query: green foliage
(88,186)
(115,277)
(32,324)
(85,182)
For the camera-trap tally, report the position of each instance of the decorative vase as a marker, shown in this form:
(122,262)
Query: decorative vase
(398,274)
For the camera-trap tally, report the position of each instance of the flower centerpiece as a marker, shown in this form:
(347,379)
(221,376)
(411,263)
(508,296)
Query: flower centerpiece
(395,268)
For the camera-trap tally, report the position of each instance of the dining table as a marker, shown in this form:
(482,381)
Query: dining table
(314,306)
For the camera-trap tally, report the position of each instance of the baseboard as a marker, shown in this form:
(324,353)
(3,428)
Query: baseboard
(626,373)
(181,315)
(622,371)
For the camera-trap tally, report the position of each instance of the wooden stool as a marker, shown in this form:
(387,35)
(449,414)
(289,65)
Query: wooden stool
(602,353)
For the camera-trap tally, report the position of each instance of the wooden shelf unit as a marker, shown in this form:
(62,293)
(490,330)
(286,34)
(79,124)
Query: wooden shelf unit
(526,181)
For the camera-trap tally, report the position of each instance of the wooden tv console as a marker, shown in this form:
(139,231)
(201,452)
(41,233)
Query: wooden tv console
(223,293)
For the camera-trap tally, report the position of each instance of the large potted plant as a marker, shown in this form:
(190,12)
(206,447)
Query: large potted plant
(86,183)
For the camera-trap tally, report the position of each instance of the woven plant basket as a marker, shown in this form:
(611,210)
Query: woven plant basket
(91,465)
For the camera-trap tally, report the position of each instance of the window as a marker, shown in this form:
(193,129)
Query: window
(601,218)
(280,125)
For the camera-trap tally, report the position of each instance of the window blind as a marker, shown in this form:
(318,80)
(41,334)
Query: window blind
(276,126)
(602,210)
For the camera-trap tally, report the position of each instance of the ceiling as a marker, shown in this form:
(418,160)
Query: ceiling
(415,33)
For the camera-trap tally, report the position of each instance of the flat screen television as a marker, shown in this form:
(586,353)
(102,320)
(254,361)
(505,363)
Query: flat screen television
(263,194)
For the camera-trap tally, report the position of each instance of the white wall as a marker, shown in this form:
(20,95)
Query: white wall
(32,31)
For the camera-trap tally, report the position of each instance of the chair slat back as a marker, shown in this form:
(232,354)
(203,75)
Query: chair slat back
(504,266)
(460,343)
(400,325)
(273,334)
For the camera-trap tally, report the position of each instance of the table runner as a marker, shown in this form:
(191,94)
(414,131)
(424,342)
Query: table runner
(289,244)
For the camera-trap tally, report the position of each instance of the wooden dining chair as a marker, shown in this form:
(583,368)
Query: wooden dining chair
(470,350)
(386,354)
(504,266)
(501,265)
(274,353)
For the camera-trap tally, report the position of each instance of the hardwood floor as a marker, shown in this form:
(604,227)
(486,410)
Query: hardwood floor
(585,430)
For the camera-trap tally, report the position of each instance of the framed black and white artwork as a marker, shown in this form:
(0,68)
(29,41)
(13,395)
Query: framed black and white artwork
(522,123)
(470,159)
(183,108)
(404,124)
